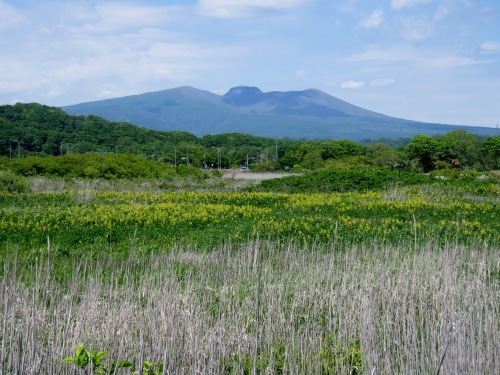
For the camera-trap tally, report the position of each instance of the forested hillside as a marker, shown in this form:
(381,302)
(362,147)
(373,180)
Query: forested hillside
(38,130)
(42,129)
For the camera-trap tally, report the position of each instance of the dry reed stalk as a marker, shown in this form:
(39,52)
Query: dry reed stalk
(198,311)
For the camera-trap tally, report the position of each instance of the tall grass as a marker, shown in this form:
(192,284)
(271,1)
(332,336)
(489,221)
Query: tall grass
(425,311)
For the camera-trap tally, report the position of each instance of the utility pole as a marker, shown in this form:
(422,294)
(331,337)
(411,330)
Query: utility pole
(61,147)
(218,157)
(276,148)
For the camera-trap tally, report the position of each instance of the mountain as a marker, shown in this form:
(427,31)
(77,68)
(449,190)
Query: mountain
(310,114)
(310,102)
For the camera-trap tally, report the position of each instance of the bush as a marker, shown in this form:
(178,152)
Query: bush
(356,179)
(268,166)
(13,183)
(108,166)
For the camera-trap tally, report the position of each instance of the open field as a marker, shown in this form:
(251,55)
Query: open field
(281,308)
(403,280)
(111,219)
(238,179)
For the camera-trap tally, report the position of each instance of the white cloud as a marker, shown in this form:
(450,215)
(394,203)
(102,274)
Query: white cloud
(10,17)
(415,28)
(374,20)
(447,62)
(490,46)
(244,8)
(396,53)
(399,4)
(111,17)
(383,82)
(413,57)
(352,85)
(448,8)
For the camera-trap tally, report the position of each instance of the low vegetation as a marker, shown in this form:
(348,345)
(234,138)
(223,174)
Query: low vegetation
(121,263)
(393,280)
(340,180)
(276,307)
(108,220)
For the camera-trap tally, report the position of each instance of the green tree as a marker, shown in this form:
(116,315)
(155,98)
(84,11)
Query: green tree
(296,153)
(381,155)
(424,150)
(492,149)
(460,145)
(339,149)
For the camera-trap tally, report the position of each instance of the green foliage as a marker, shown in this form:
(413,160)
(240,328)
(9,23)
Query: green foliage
(81,358)
(338,149)
(459,145)
(380,155)
(390,142)
(296,153)
(13,183)
(194,172)
(446,209)
(356,179)
(40,131)
(84,357)
(492,149)
(108,166)
(267,166)
(216,173)
(50,131)
(268,362)
(150,368)
(335,357)
(424,150)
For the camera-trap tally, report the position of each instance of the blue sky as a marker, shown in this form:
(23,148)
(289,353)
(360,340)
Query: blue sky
(426,60)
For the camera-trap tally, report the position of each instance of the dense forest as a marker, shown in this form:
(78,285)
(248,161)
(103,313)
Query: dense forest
(34,130)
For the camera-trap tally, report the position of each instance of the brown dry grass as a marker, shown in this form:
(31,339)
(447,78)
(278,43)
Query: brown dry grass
(409,309)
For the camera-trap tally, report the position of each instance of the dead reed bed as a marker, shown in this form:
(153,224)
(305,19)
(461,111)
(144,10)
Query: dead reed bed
(259,307)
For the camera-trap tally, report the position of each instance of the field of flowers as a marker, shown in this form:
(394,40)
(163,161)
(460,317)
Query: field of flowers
(77,219)
(401,280)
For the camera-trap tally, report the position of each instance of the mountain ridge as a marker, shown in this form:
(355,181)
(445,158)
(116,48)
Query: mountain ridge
(309,114)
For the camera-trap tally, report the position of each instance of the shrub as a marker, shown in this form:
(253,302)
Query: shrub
(339,180)
(268,166)
(108,166)
(13,183)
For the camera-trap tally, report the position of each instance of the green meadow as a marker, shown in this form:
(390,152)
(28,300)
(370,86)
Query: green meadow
(198,275)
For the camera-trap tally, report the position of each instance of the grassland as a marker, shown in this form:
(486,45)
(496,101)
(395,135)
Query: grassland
(394,281)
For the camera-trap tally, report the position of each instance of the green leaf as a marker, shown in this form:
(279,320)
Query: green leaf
(97,357)
(125,364)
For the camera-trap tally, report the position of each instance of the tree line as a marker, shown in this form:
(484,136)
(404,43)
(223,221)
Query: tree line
(37,130)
